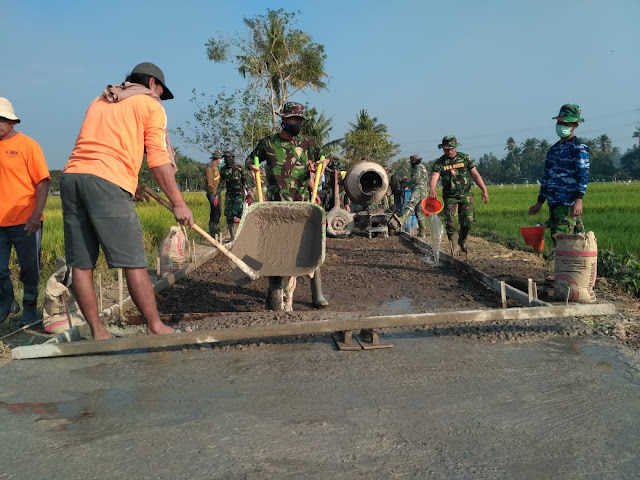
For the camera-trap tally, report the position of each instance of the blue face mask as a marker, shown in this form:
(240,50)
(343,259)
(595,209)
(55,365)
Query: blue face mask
(563,131)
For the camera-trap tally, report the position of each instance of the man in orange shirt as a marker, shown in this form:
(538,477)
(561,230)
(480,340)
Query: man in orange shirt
(100,182)
(24,181)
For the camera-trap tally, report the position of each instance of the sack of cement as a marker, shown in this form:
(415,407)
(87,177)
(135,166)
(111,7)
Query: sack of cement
(59,301)
(575,268)
(174,251)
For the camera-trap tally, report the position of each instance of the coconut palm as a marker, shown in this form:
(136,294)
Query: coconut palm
(319,127)
(277,58)
(604,143)
(367,123)
(636,134)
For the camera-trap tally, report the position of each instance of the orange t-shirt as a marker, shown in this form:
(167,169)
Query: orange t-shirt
(113,137)
(22,167)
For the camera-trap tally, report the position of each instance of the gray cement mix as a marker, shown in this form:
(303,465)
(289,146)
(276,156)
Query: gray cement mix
(431,407)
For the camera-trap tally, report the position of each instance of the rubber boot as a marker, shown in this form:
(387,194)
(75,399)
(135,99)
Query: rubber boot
(213,229)
(422,228)
(230,228)
(29,307)
(398,222)
(455,247)
(316,291)
(275,294)
(462,240)
(7,300)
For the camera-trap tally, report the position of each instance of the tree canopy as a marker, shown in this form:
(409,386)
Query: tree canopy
(277,58)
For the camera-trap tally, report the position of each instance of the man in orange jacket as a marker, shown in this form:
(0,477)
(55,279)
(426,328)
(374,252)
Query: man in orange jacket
(100,182)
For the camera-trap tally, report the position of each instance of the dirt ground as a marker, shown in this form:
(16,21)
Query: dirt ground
(373,276)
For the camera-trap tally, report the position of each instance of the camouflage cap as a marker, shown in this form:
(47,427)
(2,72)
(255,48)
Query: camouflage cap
(291,109)
(215,155)
(415,158)
(569,113)
(229,154)
(449,142)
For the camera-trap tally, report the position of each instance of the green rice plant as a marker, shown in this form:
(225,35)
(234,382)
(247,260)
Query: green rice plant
(608,210)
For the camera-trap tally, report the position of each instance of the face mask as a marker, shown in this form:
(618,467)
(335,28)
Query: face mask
(292,128)
(563,131)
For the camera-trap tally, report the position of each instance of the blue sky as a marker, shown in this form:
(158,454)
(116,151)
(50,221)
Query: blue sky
(482,70)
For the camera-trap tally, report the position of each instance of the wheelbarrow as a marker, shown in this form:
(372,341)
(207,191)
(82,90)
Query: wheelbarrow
(280,239)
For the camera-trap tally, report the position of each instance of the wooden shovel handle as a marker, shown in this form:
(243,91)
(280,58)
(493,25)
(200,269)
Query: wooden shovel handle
(246,269)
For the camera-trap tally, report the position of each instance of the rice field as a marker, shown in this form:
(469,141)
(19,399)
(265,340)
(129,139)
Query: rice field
(610,210)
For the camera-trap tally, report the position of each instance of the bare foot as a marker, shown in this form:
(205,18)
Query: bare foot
(103,334)
(164,330)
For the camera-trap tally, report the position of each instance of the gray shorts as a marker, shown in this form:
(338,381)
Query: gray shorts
(98,213)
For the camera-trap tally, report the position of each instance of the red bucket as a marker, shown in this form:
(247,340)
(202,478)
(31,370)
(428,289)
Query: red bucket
(431,206)
(534,237)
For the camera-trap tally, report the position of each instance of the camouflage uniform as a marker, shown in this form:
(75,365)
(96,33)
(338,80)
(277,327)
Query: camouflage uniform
(235,180)
(212,173)
(288,170)
(419,186)
(334,165)
(456,190)
(565,177)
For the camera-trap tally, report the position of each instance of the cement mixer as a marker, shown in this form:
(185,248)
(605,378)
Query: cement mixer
(365,184)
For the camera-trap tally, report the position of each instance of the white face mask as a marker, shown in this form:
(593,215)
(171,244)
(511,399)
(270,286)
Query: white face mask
(563,131)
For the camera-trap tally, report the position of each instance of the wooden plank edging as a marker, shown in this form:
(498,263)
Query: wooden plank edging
(89,347)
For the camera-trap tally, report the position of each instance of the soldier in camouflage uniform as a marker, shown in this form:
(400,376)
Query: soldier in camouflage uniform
(457,169)
(418,186)
(212,172)
(235,180)
(566,175)
(335,165)
(290,159)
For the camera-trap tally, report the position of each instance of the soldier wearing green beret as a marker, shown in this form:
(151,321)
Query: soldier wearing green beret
(290,159)
(456,169)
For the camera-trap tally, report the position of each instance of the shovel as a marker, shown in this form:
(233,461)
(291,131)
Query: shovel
(248,271)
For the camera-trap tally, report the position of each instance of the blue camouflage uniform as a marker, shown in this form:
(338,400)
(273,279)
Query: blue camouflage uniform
(565,178)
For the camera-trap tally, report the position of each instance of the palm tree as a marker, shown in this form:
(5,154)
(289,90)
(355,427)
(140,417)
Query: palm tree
(278,58)
(636,134)
(365,122)
(604,143)
(319,127)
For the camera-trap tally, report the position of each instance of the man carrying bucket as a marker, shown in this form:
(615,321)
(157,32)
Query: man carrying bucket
(566,174)
(456,169)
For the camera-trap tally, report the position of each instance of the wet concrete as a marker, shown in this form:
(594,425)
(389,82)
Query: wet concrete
(441,407)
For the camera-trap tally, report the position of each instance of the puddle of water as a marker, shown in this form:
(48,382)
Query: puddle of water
(402,304)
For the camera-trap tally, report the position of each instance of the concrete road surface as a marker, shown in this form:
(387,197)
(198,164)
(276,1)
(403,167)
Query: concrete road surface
(444,407)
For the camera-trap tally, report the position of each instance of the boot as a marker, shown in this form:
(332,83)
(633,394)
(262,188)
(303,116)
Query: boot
(230,228)
(316,291)
(275,294)
(398,222)
(7,301)
(462,241)
(29,307)
(455,247)
(213,229)
(422,228)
